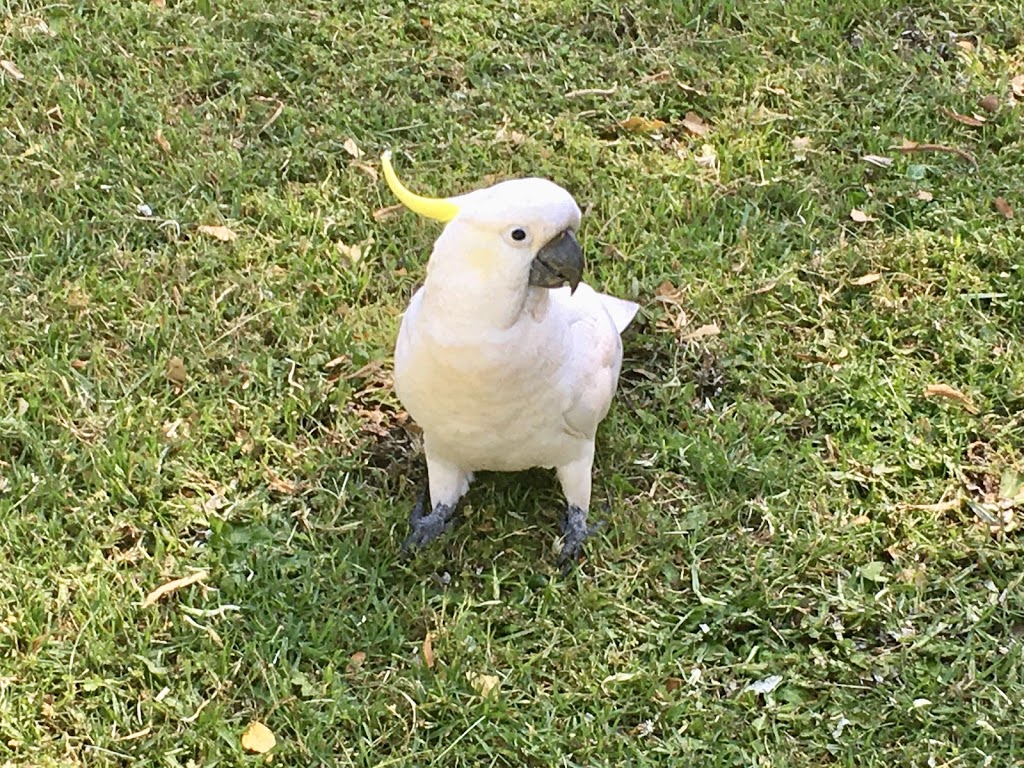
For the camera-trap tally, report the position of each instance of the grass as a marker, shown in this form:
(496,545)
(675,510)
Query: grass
(776,492)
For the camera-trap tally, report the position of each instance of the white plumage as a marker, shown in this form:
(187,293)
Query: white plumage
(500,371)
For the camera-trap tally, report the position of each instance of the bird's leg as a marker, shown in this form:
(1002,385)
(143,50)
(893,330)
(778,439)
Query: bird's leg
(447,485)
(575,480)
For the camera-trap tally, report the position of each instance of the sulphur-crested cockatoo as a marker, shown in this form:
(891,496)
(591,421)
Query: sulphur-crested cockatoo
(502,367)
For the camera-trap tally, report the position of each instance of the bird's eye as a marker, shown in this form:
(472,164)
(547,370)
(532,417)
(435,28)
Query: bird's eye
(518,234)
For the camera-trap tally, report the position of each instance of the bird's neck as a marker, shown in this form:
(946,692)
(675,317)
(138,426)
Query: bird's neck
(471,297)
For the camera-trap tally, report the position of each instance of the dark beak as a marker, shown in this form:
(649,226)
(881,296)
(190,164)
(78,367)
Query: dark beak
(560,261)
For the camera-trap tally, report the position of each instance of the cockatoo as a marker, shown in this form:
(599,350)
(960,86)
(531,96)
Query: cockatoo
(501,366)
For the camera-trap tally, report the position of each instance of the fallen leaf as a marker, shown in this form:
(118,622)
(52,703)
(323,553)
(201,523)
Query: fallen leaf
(369,170)
(219,232)
(642,125)
(10,68)
(711,329)
(355,661)
(485,685)
(990,103)
(878,160)
(673,684)
(657,77)
(767,685)
(868,279)
(924,194)
(973,121)
(767,287)
(515,138)
(281,485)
(176,371)
(860,217)
(965,45)
(352,148)
(158,3)
(951,393)
(172,586)
(860,520)
(428,651)
(387,212)
(1017,86)
(1003,207)
(258,738)
(693,123)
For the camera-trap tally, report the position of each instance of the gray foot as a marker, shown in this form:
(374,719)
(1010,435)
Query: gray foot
(427,527)
(574,532)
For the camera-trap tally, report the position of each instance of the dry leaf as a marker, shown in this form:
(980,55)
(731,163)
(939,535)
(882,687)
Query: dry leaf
(428,651)
(951,393)
(355,661)
(164,144)
(387,212)
(990,103)
(484,684)
(352,148)
(657,77)
(158,3)
(258,738)
(642,125)
(176,371)
(1003,207)
(860,520)
(695,125)
(975,121)
(673,684)
(219,232)
(280,484)
(868,279)
(369,170)
(515,138)
(879,160)
(711,329)
(860,217)
(1017,86)
(172,586)
(924,194)
(11,69)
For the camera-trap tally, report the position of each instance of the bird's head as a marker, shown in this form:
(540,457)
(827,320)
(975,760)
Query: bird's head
(523,229)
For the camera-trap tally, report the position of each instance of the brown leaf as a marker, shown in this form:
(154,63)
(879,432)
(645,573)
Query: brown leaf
(258,739)
(10,68)
(1003,207)
(878,160)
(951,393)
(428,651)
(860,520)
(158,3)
(484,684)
(673,684)
(387,212)
(860,217)
(973,121)
(1017,86)
(711,329)
(990,103)
(172,586)
(219,232)
(163,143)
(766,288)
(868,279)
(924,194)
(280,485)
(693,123)
(369,170)
(352,148)
(642,125)
(176,371)
(355,661)
(657,77)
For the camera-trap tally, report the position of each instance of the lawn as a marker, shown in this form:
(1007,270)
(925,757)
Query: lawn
(813,474)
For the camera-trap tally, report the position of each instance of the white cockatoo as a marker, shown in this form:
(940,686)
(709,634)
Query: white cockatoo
(502,367)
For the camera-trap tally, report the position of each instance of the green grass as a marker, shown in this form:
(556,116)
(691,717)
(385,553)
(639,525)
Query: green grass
(781,531)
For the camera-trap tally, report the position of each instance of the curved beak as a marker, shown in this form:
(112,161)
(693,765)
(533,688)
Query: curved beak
(560,261)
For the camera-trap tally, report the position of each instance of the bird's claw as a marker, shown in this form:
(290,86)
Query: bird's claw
(426,526)
(575,531)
